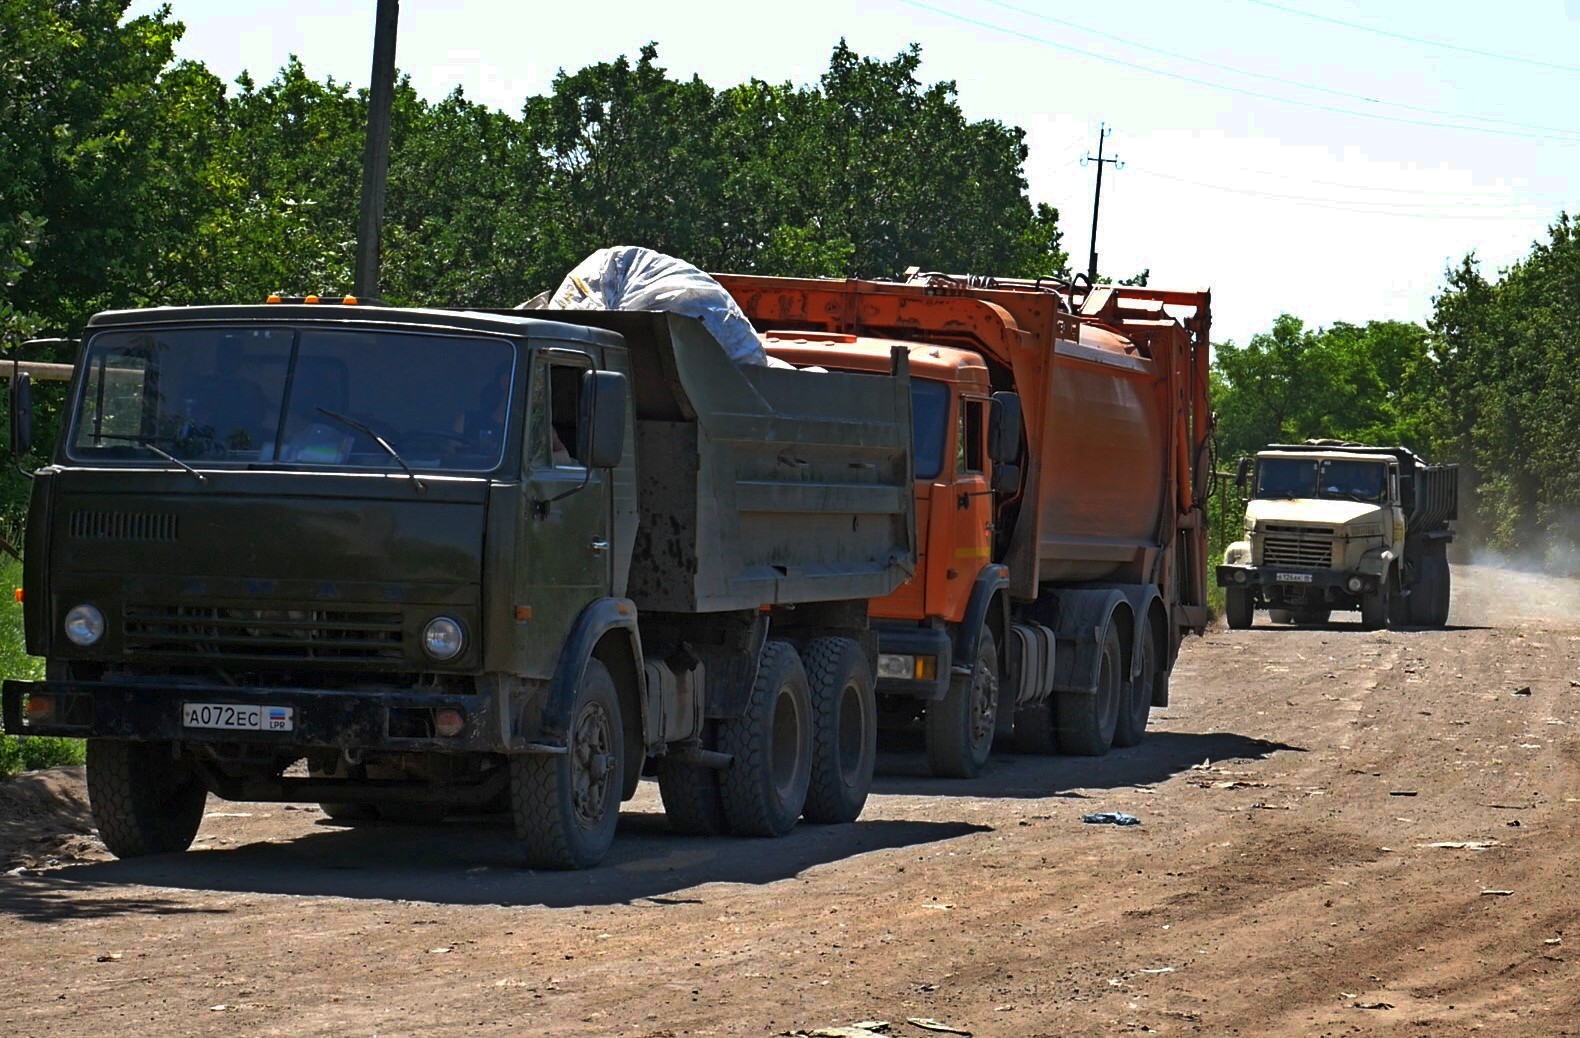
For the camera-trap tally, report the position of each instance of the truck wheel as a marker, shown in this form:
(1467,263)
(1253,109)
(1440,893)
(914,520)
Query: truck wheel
(566,806)
(1136,696)
(844,730)
(1087,721)
(144,800)
(1374,608)
(960,726)
(1442,590)
(1312,616)
(691,795)
(1239,608)
(1429,600)
(1035,730)
(765,788)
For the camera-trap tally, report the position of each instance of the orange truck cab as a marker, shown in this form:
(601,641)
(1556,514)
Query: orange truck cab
(1061,466)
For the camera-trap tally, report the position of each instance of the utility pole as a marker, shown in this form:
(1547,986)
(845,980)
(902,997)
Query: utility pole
(376,156)
(1103,132)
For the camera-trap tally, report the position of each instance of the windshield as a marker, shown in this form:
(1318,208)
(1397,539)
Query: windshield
(1325,478)
(306,396)
(929,424)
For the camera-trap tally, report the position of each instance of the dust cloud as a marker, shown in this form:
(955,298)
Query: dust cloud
(1494,592)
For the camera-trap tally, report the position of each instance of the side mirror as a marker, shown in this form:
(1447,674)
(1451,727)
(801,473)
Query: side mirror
(1241,470)
(1004,428)
(21,401)
(600,434)
(1006,479)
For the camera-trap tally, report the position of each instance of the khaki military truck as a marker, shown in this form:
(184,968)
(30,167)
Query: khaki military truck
(1333,525)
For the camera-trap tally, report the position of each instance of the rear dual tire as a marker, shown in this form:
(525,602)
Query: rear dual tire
(1087,721)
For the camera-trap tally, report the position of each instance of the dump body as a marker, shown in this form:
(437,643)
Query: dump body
(759,485)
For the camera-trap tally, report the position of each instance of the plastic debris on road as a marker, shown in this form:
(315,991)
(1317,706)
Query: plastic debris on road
(1110,818)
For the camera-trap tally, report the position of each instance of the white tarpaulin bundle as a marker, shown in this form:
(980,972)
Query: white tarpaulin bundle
(629,277)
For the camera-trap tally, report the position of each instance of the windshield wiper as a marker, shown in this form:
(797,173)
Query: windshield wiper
(145,443)
(363,427)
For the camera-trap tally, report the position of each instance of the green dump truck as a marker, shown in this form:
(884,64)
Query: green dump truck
(408,562)
(1332,525)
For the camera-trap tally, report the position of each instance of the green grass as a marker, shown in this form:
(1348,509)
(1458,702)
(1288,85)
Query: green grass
(24,754)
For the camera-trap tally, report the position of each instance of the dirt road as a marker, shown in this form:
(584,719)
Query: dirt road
(1342,833)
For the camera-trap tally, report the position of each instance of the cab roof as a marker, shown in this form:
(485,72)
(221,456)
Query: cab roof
(517,323)
(861,353)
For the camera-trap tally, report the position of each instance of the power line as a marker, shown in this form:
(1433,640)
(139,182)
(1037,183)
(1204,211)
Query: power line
(1393,209)
(1415,192)
(1517,58)
(1044,41)
(1298,84)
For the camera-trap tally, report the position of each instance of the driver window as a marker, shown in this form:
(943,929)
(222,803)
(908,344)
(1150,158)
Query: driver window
(556,413)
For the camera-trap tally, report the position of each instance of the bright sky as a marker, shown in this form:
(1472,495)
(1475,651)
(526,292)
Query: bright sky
(1328,158)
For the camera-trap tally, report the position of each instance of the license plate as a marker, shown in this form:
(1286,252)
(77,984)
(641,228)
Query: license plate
(238,718)
(1293,578)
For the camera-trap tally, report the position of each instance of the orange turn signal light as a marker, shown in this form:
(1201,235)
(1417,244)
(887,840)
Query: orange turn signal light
(19,594)
(926,668)
(273,298)
(40,708)
(350,300)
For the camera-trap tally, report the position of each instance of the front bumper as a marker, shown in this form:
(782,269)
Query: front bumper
(1294,578)
(321,718)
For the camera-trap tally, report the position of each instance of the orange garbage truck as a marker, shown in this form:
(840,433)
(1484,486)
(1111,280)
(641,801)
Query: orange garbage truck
(1062,467)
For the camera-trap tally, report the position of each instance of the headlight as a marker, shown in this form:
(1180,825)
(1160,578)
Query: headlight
(84,625)
(1354,583)
(443,638)
(894,665)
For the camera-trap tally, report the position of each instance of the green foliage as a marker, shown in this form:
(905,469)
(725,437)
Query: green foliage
(24,754)
(1509,357)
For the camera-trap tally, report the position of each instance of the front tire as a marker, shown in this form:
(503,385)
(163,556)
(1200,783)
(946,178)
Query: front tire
(1374,607)
(1087,721)
(764,788)
(144,800)
(566,806)
(960,726)
(1239,608)
(844,730)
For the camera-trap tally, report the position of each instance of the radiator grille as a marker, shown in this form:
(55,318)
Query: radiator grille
(122,526)
(1297,546)
(263,634)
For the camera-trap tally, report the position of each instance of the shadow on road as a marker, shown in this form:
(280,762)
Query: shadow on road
(467,861)
(903,770)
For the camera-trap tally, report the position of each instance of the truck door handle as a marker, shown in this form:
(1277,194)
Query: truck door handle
(599,546)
